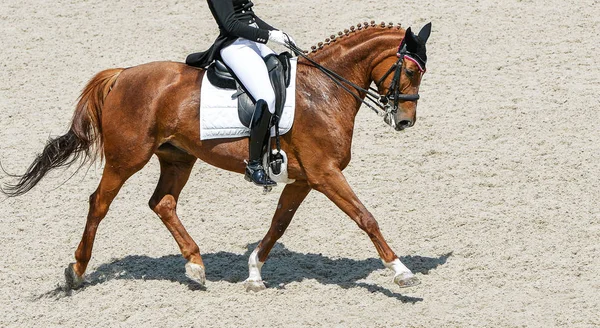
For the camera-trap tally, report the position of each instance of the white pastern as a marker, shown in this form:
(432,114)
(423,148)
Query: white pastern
(402,275)
(254,267)
(254,281)
(196,273)
(399,268)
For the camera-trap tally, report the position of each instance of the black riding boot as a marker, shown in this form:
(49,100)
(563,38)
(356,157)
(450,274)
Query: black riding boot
(259,133)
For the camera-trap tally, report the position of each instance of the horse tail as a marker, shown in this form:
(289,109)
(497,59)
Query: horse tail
(82,142)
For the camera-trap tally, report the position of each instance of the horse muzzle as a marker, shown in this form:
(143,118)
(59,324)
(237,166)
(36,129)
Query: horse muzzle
(404,124)
(399,117)
(398,125)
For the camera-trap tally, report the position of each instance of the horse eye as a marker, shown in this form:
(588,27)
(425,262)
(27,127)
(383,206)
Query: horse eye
(409,73)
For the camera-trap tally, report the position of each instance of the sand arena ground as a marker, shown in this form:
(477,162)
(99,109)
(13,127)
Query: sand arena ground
(492,198)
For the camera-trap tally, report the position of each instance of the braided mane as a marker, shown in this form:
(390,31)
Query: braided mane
(353,29)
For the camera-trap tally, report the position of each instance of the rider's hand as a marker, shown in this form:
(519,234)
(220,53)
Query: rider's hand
(291,40)
(280,38)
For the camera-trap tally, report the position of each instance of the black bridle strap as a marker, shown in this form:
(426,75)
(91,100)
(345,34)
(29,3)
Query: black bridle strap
(339,80)
(387,74)
(394,93)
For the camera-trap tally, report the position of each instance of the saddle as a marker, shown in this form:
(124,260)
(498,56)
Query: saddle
(279,72)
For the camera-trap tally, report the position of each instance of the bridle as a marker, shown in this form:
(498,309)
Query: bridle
(384,105)
(394,94)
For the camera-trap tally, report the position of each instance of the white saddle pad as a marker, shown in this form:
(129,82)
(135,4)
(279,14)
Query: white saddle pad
(219,113)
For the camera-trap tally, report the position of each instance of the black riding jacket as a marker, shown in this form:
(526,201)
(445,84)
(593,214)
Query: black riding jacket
(234,18)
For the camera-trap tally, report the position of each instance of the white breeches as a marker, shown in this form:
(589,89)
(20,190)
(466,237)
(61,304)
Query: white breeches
(245,59)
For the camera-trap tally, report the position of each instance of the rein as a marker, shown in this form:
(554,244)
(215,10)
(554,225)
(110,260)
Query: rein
(382,102)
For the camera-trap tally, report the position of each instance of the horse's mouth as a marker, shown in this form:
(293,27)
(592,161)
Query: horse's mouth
(405,124)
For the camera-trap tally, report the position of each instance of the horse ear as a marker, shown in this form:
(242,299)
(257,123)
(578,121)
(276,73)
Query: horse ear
(410,39)
(425,32)
(408,34)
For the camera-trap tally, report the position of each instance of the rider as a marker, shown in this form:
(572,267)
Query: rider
(242,46)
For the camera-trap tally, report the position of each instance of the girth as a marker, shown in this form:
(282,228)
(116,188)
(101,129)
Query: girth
(278,67)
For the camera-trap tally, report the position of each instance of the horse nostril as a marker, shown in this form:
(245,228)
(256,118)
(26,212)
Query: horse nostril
(404,124)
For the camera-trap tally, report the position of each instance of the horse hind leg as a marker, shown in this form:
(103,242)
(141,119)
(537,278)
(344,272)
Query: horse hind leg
(175,169)
(110,184)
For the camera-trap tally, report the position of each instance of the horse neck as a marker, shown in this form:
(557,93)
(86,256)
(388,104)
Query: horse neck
(356,55)
(353,57)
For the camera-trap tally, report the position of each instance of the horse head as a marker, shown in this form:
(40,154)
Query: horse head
(398,77)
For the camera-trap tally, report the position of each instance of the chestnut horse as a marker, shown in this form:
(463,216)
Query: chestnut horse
(128,115)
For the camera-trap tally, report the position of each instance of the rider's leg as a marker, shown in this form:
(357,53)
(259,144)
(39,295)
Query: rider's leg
(259,133)
(244,58)
(264,50)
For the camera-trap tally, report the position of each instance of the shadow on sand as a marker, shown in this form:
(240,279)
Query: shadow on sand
(283,267)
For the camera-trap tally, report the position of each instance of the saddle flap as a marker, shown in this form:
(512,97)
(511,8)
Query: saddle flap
(246,106)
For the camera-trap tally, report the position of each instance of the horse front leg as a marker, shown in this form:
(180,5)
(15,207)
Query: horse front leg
(289,201)
(333,184)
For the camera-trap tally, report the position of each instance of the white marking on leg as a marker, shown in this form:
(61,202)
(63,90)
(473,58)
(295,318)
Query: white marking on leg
(254,267)
(398,267)
(196,273)
(254,281)
(402,275)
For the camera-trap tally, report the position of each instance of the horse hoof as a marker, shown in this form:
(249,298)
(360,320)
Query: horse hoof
(196,273)
(254,286)
(405,280)
(72,279)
